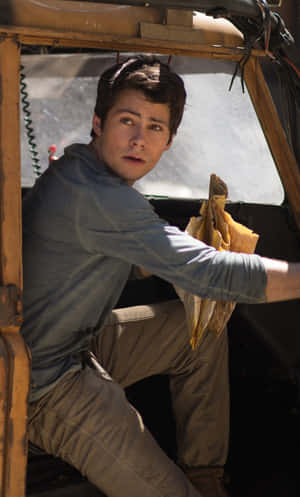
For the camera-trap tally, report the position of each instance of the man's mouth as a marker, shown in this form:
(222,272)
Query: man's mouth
(135,159)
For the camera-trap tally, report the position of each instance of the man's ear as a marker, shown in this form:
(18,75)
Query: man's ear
(96,125)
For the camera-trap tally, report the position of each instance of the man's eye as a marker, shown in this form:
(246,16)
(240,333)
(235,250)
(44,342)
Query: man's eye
(126,120)
(156,127)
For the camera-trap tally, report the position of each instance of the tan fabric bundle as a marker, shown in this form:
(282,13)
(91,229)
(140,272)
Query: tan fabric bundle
(215,227)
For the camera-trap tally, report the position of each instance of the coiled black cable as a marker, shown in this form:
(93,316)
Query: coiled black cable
(28,124)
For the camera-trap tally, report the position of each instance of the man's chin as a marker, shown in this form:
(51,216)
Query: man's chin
(131,182)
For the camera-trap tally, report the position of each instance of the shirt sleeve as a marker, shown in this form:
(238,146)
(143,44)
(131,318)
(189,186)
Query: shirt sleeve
(120,223)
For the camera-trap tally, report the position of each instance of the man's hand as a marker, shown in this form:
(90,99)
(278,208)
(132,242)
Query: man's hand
(283,280)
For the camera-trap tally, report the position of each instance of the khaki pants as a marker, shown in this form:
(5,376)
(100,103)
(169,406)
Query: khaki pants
(87,421)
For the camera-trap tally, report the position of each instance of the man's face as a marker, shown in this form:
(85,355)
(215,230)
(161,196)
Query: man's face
(135,134)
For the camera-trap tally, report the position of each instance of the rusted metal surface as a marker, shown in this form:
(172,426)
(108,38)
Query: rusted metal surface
(14,389)
(78,16)
(119,27)
(14,358)
(207,46)
(10,306)
(283,157)
(17,402)
(204,30)
(10,182)
(4,389)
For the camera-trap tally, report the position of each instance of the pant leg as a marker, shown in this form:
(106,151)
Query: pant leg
(141,341)
(87,421)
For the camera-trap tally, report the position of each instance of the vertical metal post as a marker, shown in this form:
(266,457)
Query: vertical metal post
(266,112)
(14,360)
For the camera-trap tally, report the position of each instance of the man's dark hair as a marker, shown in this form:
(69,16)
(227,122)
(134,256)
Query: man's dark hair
(147,74)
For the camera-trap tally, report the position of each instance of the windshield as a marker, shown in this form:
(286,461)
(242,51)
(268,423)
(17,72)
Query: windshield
(219,133)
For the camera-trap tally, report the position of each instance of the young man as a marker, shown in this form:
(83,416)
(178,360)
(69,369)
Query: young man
(85,227)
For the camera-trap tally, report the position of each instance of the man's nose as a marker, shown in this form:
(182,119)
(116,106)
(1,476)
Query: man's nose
(138,136)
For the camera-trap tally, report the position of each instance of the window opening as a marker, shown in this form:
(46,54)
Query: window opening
(220,132)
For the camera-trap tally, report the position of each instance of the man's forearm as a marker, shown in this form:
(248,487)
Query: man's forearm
(283,280)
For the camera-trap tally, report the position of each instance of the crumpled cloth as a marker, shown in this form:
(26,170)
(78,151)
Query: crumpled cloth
(217,228)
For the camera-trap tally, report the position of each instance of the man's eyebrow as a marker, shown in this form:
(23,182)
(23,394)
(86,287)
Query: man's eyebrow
(130,111)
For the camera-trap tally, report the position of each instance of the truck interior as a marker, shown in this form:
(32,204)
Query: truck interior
(241,68)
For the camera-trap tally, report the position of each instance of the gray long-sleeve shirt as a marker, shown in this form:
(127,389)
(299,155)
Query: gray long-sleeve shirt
(83,229)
